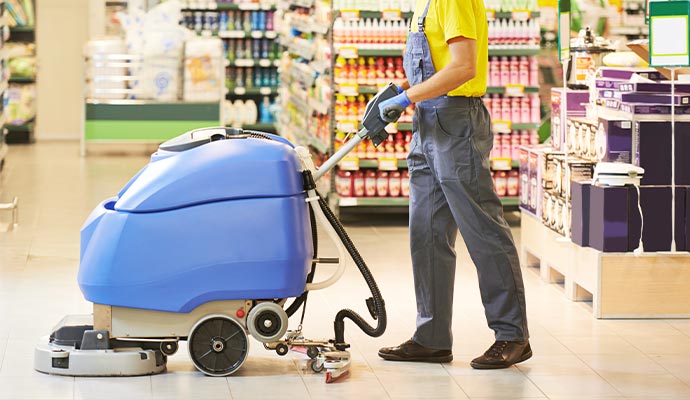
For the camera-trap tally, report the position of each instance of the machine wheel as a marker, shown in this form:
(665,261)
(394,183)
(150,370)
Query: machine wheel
(312,352)
(315,366)
(267,322)
(169,348)
(282,349)
(218,345)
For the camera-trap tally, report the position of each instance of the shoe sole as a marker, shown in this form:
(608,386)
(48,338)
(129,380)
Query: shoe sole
(524,357)
(439,359)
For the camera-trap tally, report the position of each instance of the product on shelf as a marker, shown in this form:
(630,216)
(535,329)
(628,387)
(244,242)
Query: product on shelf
(508,145)
(375,5)
(21,103)
(511,5)
(228,21)
(202,80)
(512,34)
(513,70)
(368,71)
(370,33)
(525,109)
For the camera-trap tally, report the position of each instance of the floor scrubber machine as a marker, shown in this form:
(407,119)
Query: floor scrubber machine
(208,243)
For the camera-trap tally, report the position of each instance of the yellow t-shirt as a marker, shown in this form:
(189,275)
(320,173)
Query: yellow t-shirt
(448,19)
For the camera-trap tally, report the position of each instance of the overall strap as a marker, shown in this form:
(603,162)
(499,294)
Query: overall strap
(420,20)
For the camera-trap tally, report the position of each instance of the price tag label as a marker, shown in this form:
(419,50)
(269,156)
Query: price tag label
(248,6)
(240,91)
(264,63)
(388,164)
(349,14)
(243,62)
(347,126)
(232,34)
(349,89)
(257,34)
(393,14)
(392,128)
(265,91)
(491,15)
(521,15)
(501,164)
(270,35)
(348,201)
(348,52)
(502,126)
(349,164)
(515,90)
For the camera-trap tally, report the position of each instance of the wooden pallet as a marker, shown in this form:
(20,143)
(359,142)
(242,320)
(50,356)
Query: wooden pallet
(619,285)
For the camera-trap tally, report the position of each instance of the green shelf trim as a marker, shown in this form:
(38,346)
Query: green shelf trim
(374,202)
(271,127)
(525,126)
(380,52)
(22,29)
(22,79)
(151,112)
(514,52)
(375,163)
(404,126)
(234,7)
(510,201)
(509,14)
(20,128)
(377,14)
(502,89)
(133,131)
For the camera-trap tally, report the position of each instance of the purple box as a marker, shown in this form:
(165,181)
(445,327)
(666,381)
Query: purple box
(524,178)
(607,83)
(680,99)
(652,109)
(608,218)
(656,206)
(652,151)
(580,212)
(627,73)
(614,140)
(576,102)
(655,87)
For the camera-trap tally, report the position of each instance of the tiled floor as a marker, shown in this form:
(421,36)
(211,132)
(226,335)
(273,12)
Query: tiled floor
(576,356)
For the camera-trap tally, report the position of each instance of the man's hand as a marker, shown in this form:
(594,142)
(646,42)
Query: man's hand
(391,109)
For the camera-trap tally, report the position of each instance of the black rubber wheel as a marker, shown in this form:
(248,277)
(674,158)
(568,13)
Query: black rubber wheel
(169,348)
(282,349)
(315,367)
(312,352)
(218,345)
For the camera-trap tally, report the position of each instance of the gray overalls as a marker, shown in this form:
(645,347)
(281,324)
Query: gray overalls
(451,188)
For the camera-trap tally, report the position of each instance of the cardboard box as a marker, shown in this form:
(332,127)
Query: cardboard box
(653,87)
(580,213)
(576,102)
(652,151)
(608,218)
(680,99)
(627,73)
(613,140)
(656,206)
(646,110)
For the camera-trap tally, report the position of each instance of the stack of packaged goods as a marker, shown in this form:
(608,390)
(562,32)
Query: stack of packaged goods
(626,119)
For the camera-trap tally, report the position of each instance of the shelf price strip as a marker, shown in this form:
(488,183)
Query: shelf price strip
(515,90)
(501,164)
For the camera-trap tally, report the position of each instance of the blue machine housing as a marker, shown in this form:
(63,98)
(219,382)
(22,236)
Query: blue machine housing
(225,220)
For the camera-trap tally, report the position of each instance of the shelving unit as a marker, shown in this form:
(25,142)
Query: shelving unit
(20,132)
(4,75)
(251,53)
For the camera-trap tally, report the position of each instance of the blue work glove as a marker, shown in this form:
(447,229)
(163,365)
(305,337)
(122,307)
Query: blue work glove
(391,109)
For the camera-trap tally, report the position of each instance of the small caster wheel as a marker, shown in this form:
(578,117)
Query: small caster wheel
(316,366)
(282,349)
(312,352)
(169,348)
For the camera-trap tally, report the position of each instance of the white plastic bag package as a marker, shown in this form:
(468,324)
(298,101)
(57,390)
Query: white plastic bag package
(203,74)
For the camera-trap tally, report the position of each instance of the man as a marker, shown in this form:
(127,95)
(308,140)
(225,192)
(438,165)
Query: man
(451,187)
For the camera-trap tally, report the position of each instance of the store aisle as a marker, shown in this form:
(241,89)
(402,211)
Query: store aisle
(576,356)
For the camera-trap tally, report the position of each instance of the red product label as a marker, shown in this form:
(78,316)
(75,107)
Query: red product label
(382,184)
(405,184)
(370,184)
(359,184)
(394,185)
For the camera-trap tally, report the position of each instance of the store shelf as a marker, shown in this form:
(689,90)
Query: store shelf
(253,91)
(21,29)
(260,127)
(375,163)
(20,128)
(20,134)
(231,7)
(514,52)
(517,14)
(404,126)
(510,201)
(402,201)
(369,52)
(502,89)
(376,14)
(249,62)
(22,79)
(247,35)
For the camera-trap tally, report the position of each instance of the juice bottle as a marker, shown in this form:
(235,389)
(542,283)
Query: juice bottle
(394,184)
(370,183)
(382,184)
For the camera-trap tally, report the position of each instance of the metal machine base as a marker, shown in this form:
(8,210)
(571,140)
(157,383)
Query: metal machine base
(66,360)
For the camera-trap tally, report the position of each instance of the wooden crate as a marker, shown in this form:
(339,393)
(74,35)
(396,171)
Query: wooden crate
(620,285)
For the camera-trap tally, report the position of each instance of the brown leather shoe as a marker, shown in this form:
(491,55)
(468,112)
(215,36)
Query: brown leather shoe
(412,351)
(503,354)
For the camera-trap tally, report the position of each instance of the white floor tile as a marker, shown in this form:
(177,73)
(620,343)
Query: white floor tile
(506,386)
(138,388)
(555,365)
(639,386)
(574,386)
(598,345)
(188,385)
(614,364)
(34,387)
(417,385)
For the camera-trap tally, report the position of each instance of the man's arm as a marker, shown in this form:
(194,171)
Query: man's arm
(461,68)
